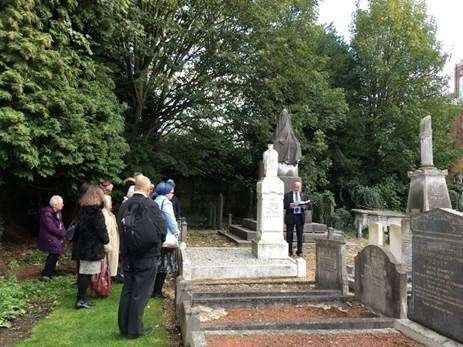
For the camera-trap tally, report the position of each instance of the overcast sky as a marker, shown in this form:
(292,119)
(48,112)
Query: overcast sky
(447,13)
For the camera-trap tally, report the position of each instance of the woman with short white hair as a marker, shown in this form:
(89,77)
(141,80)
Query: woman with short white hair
(51,235)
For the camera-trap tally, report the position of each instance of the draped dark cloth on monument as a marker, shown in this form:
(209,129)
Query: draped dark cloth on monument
(285,141)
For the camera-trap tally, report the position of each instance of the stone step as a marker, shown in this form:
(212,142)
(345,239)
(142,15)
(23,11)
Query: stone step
(259,299)
(250,223)
(321,324)
(237,240)
(244,294)
(242,232)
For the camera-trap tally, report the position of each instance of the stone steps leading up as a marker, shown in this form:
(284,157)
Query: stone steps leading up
(242,232)
(237,240)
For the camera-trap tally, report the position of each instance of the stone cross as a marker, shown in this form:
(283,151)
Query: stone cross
(426,142)
(270,162)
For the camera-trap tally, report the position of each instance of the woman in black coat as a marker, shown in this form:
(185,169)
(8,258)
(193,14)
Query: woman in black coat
(92,236)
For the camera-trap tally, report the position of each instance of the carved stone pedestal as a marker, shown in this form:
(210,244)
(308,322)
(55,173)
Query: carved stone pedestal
(428,190)
(269,243)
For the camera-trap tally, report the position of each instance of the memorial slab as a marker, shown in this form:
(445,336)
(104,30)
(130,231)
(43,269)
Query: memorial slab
(380,283)
(437,271)
(331,265)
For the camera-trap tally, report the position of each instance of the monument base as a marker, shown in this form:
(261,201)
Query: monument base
(428,190)
(199,263)
(267,250)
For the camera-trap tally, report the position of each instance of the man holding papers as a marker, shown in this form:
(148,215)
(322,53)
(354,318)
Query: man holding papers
(295,203)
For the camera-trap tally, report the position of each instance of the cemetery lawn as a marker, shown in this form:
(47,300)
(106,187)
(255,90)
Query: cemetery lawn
(66,326)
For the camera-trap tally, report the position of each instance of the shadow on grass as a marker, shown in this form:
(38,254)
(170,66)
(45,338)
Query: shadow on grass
(66,326)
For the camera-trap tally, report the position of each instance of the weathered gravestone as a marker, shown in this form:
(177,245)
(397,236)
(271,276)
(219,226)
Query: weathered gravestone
(437,271)
(331,264)
(380,283)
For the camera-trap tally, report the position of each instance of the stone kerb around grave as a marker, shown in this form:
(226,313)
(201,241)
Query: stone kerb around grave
(380,283)
(437,271)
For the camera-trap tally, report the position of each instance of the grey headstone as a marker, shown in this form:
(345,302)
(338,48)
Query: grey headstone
(331,265)
(437,271)
(380,283)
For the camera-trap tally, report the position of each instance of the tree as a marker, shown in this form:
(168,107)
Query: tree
(398,63)
(59,116)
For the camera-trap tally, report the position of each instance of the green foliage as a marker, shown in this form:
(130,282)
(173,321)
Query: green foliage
(12,301)
(324,204)
(58,113)
(15,296)
(343,220)
(367,197)
(395,81)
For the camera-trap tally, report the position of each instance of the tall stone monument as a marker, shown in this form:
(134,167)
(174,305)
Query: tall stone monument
(428,188)
(269,243)
(289,150)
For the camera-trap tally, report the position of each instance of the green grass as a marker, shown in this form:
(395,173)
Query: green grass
(66,326)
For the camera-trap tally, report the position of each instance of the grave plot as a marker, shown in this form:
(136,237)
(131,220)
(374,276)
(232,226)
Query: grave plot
(298,312)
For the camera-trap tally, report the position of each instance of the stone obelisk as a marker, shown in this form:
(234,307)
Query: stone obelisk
(428,188)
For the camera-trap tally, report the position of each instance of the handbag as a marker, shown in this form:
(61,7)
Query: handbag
(100,283)
(71,232)
(170,242)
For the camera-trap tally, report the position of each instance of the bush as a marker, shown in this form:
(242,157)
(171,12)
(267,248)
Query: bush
(324,205)
(367,197)
(342,219)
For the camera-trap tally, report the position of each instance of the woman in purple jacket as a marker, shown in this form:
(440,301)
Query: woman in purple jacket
(51,235)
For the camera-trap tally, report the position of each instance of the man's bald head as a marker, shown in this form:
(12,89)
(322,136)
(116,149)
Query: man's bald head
(142,184)
(296,186)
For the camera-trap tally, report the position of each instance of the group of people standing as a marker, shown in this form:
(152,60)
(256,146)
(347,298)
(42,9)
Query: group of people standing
(144,236)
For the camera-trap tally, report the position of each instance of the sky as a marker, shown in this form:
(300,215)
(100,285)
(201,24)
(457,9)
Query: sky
(447,14)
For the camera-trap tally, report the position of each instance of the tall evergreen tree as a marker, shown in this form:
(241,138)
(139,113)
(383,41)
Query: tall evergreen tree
(59,115)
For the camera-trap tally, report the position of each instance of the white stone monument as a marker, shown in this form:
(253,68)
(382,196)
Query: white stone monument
(270,243)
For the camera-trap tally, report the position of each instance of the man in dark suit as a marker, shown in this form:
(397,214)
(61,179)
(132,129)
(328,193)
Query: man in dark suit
(295,203)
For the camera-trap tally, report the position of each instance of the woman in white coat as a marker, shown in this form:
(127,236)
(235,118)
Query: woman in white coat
(112,248)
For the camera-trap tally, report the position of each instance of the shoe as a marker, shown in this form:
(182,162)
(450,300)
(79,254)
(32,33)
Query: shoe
(159,296)
(82,304)
(45,279)
(146,332)
(119,278)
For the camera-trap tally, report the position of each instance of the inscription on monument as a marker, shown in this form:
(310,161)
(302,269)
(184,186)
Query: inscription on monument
(437,271)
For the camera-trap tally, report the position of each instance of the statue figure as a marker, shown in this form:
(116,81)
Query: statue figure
(270,162)
(287,146)
(426,142)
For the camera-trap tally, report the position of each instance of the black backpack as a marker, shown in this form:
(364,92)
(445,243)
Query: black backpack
(139,231)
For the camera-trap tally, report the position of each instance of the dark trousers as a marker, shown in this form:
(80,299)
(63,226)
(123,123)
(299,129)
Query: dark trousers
(50,264)
(83,282)
(138,285)
(159,283)
(297,221)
